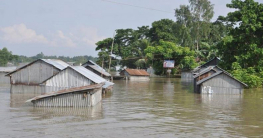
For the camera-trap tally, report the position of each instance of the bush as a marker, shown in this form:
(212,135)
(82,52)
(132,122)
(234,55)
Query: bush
(248,76)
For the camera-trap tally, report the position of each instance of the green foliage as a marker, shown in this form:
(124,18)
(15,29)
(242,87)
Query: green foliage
(183,56)
(243,44)
(193,23)
(129,45)
(163,30)
(241,49)
(141,63)
(248,76)
(6,56)
(188,62)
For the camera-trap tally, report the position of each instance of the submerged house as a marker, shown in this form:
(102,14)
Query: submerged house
(74,86)
(135,74)
(188,74)
(92,66)
(217,81)
(85,96)
(35,73)
(3,71)
(75,76)
(213,62)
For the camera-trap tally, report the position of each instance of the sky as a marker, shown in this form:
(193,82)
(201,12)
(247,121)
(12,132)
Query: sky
(72,27)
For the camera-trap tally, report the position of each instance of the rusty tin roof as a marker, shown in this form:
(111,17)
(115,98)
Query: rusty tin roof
(137,72)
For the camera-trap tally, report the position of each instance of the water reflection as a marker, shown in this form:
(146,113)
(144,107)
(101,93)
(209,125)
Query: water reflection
(222,102)
(82,114)
(18,101)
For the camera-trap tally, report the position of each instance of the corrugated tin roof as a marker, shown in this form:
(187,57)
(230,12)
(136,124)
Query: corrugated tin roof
(107,84)
(59,64)
(76,89)
(217,73)
(137,72)
(100,70)
(215,58)
(91,75)
(201,66)
(88,74)
(205,71)
(96,67)
(7,69)
(56,63)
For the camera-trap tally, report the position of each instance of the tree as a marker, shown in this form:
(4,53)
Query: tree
(162,30)
(195,22)
(6,56)
(202,11)
(243,45)
(184,26)
(104,47)
(129,45)
(183,56)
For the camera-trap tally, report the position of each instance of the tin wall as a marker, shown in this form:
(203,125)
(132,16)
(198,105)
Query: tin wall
(68,78)
(74,99)
(33,74)
(222,84)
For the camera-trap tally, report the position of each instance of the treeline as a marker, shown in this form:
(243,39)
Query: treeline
(190,39)
(193,39)
(7,56)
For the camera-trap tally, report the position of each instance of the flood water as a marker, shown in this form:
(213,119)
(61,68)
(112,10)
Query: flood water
(159,108)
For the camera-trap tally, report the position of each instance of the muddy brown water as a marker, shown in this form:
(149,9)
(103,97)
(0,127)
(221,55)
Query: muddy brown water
(159,108)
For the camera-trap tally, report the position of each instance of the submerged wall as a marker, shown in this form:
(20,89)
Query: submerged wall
(34,89)
(222,84)
(187,75)
(4,79)
(139,78)
(74,99)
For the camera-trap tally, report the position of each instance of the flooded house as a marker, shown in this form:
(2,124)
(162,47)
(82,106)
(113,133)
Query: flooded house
(84,96)
(213,62)
(75,76)
(3,71)
(214,80)
(187,74)
(75,86)
(30,76)
(135,74)
(92,66)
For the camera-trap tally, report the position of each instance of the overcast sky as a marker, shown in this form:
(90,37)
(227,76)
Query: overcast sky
(72,27)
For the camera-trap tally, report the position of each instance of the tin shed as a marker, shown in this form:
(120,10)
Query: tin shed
(83,96)
(187,74)
(74,76)
(92,66)
(36,72)
(135,74)
(217,81)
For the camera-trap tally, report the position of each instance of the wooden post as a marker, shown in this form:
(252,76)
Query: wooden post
(111,51)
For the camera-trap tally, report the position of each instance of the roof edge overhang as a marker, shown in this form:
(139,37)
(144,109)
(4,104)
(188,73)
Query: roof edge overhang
(31,64)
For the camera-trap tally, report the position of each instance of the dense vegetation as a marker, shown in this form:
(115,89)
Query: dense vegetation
(242,48)
(193,37)
(6,56)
